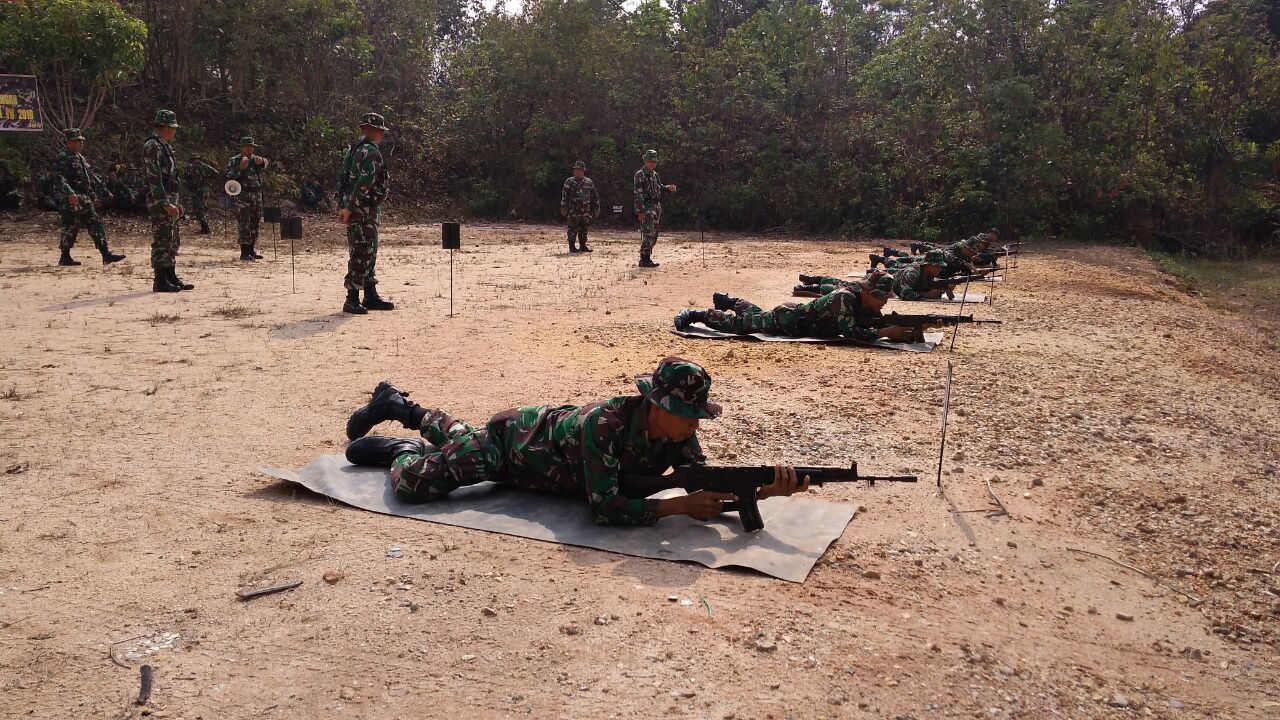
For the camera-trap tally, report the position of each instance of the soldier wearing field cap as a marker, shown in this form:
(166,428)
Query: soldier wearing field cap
(648,189)
(579,204)
(163,198)
(362,188)
(585,451)
(76,198)
(246,168)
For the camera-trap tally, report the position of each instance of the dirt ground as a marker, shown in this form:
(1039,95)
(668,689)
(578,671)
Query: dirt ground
(1110,413)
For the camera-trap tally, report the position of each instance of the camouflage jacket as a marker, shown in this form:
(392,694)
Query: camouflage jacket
(648,190)
(909,283)
(363,183)
(197,176)
(847,318)
(585,450)
(73,176)
(250,178)
(162,171)
(579,197)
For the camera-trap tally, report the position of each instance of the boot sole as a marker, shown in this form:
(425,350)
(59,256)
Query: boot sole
(358,424)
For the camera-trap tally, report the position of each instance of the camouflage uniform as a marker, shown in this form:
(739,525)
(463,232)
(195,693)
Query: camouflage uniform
(365,179)
(313,196)
(835,314)
(909,282)
(581,204)
(648,189)
(9,197)
(579,450)
(75,178)
(196,178)
(163,184)
(249,201)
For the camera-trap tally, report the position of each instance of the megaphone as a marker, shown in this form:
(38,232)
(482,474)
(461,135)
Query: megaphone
(232,187)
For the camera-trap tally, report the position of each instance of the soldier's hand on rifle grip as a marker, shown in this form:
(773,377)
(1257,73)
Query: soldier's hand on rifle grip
(170,209)
(784,483)
(705,504)
(344,216)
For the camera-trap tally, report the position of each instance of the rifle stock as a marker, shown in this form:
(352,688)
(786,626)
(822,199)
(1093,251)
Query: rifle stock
(742,482)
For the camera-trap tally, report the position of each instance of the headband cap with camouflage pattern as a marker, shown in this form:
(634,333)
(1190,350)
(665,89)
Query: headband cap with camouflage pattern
(165,118)
(373,120)
(650,155)
(247,140)
(681,388)
(579,165)
(73,134)
(935,257)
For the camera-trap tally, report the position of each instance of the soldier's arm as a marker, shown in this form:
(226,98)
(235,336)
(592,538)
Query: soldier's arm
(601,438)
(595,201)
(61,171)
(152,155)
(233,168)
(638,190)
(850,328)
(564,197)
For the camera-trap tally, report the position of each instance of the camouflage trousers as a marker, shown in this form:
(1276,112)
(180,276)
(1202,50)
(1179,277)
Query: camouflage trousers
(457,455)
(819,318)
(82,217)
(362,241)
(165,235)
(649,230)
(199,206)
(576,226)
(249,215)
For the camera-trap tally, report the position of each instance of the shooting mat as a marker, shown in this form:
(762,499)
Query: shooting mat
(797,531)
(698,330)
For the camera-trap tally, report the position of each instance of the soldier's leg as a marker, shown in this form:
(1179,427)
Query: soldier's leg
(255,220)
(371,250)
(583,224)
(244,216)
(457,455)
(89,218)
(571,229)
(357,265)
(201,208)
(744,318)
(70,228)
(162,250)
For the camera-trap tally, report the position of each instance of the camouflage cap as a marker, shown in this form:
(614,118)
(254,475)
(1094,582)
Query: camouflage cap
(579,165)
(882,287)
(248,140)
(165,118)
(681,388)
(935,257)
(373,120)
(650,155)
(72,134)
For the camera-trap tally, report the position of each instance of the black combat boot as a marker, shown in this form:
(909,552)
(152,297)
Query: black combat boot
(875,260)
(584,247)
(388,403)
(246,253)
(688,317)
(572,248)
(724,302)
(253,250)
(352,305)
(66,260)
(204,228)
(178,282)
(800,288)
(810,279)
(372,301)
(377,451)
(893,252)
(647,262)
(162,284)
(109,257)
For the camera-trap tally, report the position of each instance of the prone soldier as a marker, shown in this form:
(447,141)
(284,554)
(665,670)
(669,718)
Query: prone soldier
(579,204)
(566,449)
(76,199)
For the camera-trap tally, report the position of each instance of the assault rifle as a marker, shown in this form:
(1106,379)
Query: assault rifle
(742,482)
(946,282)
(929,320)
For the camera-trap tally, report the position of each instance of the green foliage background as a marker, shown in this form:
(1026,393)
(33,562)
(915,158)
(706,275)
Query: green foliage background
(1135,120)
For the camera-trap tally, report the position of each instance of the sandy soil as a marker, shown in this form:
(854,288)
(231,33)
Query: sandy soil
(1110,413)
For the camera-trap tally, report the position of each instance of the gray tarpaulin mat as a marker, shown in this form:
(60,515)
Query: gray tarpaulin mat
(796,530)
(698,330)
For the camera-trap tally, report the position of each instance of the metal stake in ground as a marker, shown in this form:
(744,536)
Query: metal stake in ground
(450,239)
(964,295)
(946,408)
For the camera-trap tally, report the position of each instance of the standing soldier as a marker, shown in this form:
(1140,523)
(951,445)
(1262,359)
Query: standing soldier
(246,168)
(163,203)
(579,204)
(362,187)
(197,177)
(648,191)
(73,182)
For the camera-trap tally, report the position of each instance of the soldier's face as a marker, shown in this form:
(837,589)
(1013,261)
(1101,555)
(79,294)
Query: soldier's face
(167,133)
(76,146)
(871,302)
(931,271)
(662,425)
(650,165)
(247,150)
(579,173)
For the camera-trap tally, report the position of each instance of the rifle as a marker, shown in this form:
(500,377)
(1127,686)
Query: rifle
(742,482)
(942,282)
(896,320)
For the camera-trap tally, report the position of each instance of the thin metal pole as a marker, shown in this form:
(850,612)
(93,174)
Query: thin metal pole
(293,268)
(946,407)
(450,282)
